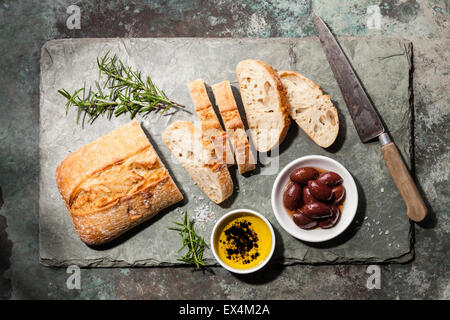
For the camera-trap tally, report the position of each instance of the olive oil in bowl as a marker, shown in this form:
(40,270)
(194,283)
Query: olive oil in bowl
(243,241)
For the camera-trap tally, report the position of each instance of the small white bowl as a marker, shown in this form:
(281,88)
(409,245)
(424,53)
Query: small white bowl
(317,234)
(219,224)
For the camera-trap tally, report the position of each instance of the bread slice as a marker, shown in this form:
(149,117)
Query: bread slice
(196,154)
(265,103)
(114,183)
(234,126)
(209,122)
(310,108)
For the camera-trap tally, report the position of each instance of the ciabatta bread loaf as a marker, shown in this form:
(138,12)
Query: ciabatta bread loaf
(114,183)
(234,127)
(196,154)
(310,108)
(209,122)
(265,103)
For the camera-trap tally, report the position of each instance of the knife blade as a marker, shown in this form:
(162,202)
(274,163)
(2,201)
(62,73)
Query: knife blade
(365,118)
(367,121)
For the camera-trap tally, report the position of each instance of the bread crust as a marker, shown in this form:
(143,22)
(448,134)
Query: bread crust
(114,183)
(333,133)
(234,126)
(281,98)
(202,163)
(210,124)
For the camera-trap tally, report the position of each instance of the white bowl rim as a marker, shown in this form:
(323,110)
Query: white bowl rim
(277,214)
(219,222)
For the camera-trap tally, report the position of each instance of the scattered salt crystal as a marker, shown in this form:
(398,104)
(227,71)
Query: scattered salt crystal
(202,213)
(382,189)
(387,232)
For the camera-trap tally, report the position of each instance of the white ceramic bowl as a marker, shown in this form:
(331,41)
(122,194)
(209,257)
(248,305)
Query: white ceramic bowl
(228,216)
(317,234)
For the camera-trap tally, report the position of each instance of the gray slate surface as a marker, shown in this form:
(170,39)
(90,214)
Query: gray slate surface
(380,232)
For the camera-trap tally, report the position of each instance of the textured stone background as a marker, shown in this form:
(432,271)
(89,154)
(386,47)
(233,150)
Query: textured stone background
(26,25)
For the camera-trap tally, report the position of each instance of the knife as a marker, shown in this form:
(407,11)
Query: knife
(367,121)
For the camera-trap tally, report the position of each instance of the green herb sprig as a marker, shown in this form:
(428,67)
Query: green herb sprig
(192,241)
(128,93)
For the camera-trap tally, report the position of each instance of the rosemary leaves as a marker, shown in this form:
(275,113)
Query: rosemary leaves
(192,241)
(127,93)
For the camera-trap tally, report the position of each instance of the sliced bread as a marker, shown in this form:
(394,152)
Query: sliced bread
(234,126)
(209,122)
(265,103)
(311,108)
(196,154)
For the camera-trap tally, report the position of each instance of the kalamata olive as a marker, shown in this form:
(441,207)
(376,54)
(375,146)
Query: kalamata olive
(292,197)
(330,178)
(331,221)
(319,190)
(317,210)
(303,175)
(307,196)
(303,221)
(338,195)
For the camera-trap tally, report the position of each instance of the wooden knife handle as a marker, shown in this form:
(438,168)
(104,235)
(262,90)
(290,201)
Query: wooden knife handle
(415,206)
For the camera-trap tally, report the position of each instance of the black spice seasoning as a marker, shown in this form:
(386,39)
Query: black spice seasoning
(240,240)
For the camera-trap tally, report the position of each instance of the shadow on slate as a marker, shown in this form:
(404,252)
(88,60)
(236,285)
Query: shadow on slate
(431,219)
(343,127)
(6,251)
(1,198)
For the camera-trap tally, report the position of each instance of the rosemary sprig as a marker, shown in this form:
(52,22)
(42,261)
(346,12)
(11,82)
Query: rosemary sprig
(192,241)
(128,93)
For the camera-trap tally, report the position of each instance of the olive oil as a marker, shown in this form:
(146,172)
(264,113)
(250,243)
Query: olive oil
(244,241)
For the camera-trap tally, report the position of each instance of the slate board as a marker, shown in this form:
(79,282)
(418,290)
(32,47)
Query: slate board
(380,232)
